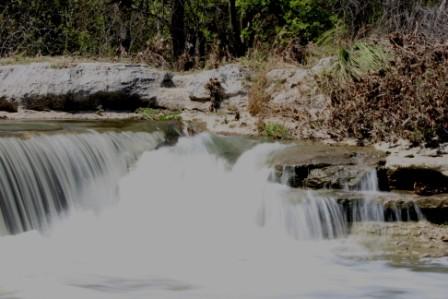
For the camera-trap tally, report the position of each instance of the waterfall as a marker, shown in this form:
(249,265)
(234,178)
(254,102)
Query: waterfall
(195,220)
(241,193)
(45,175)
(368,208)
(309,214)
(369,182)
(371,209)
(304,215)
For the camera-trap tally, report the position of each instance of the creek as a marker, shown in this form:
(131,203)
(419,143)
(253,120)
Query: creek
(126,213)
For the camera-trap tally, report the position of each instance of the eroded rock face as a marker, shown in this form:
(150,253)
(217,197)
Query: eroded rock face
(85,86)
(317,166)
(42,86)
(289,86)
(283,84)
(190,90)
(418,169)
(296,101)
(421,180)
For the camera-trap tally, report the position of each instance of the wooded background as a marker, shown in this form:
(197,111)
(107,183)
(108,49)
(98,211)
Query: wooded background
(167,31)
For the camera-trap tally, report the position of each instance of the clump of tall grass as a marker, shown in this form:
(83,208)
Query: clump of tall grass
(258,97)
(361,58)
(259,61)
(327,44)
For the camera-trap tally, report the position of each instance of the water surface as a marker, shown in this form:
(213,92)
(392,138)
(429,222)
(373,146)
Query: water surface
(199,219)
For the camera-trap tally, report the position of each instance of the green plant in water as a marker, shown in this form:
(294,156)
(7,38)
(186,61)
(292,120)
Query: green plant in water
(158,115)
(275,131)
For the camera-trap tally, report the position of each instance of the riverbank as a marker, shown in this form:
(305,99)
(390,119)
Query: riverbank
(274,100)
(375,91)
(284,102)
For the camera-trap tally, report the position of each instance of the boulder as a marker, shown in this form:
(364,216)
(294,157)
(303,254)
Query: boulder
(297,85)
(232,77)
(284,84)
(191,93)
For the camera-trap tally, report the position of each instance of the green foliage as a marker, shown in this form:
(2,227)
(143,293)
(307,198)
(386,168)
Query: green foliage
(84,27)
(304,20)
(358,60)
(213,30)
(275,131)
(309,19)
(333,36)
(158,115)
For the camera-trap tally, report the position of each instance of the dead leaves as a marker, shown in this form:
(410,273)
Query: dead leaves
(408,100)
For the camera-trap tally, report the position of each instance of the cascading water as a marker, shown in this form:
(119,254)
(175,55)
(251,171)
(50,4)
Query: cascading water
(304,215)
(191,223)
(45,175)
(317,215)
(370,209)
(369,182)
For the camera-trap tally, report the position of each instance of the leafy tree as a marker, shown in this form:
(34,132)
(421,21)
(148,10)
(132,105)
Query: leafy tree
(198,28)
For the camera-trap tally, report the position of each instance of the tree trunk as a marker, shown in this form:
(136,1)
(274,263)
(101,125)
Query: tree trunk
(237,47)
(178,28)
(201,47)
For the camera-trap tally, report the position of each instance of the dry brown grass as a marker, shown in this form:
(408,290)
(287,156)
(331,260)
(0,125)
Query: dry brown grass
(261,61)
(157,53)
(407,99)
(59,62)
(258,97)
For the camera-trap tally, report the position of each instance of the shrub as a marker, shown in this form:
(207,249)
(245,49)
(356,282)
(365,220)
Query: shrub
(408,99)
(8,106)
(274,130)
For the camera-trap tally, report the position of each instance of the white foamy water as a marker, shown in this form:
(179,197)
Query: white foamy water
(44,176)
(190,225)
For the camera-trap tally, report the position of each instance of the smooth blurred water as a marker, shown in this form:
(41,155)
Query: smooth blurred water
(46,175)
(192,223)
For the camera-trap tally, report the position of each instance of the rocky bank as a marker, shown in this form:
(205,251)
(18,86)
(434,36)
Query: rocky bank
(409,177)
(108,90)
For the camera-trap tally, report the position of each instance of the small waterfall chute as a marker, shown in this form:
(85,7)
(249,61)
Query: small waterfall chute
(45,175)
(311,214)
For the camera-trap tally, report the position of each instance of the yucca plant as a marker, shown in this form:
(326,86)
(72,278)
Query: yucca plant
(358,60)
